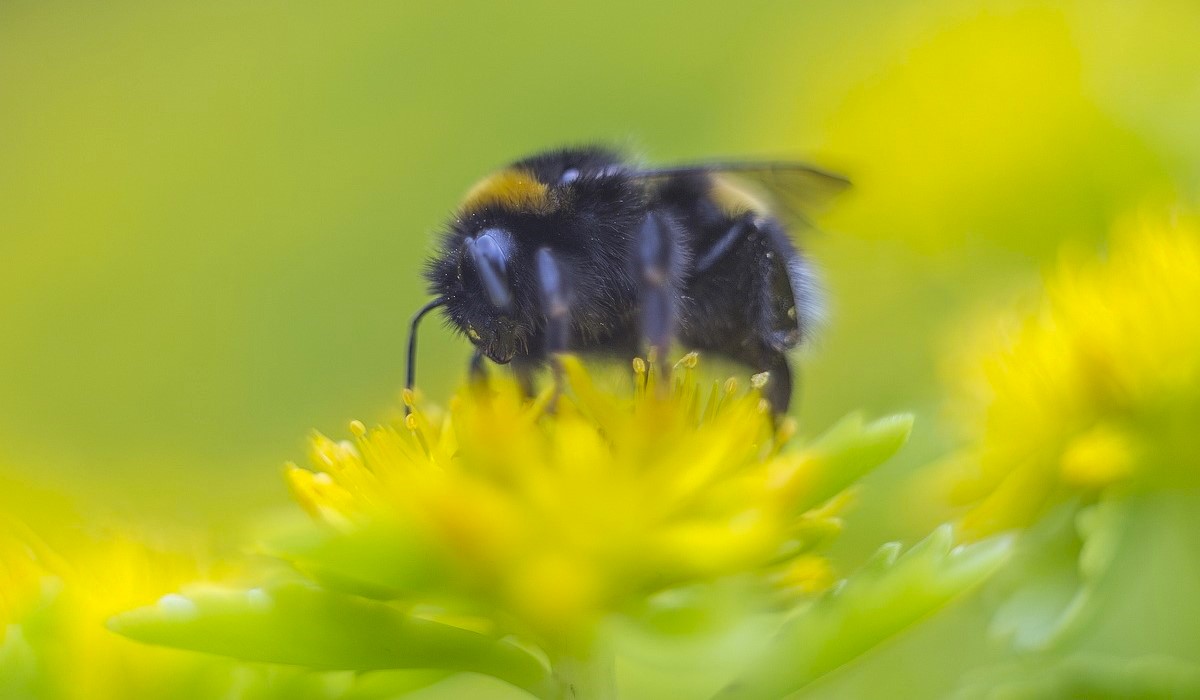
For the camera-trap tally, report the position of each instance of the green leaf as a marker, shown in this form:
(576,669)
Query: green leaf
(381,562)
(888,595)
(849,450)
(305,626)
(18,664)
(1054,581)
(1097,677)
(392,684)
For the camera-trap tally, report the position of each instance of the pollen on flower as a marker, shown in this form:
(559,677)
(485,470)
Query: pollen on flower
(639,366)
(689,361)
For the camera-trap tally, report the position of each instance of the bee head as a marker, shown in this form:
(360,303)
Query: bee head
(480,296)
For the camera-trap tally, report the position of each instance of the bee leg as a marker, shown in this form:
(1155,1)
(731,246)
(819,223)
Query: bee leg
(655,248)
(553,291)
(477,371)
(724,244)
(523,371)
(778,390)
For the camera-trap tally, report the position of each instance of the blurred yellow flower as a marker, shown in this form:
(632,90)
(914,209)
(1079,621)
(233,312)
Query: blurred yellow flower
(554,519)
(975,128)
(25,563)
(54,601)
(1098,384)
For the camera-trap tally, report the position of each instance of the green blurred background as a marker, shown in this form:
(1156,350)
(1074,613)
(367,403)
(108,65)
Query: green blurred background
(213,215)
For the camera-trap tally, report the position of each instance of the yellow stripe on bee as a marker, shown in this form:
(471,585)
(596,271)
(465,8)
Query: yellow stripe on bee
(735,198)
(512,189)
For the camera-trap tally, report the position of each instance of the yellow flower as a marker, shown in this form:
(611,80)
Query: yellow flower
(25,564)
(56,594)
(975,125)
(501,536)
(1097,385)
(553,518)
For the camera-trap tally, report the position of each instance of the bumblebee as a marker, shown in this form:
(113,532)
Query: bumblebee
(582,250)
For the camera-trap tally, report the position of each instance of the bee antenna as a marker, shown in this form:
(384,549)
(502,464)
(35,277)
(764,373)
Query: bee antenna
(411,370)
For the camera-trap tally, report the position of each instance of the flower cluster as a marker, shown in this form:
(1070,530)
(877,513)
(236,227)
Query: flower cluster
(510,536)
(556,520)
(1098,385)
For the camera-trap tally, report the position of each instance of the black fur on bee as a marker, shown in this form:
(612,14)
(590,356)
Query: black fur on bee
(583,250)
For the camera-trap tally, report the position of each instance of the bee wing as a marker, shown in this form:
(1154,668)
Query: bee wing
(795,191)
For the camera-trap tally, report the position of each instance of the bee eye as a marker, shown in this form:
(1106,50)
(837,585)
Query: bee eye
(569,175)
(472,333)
